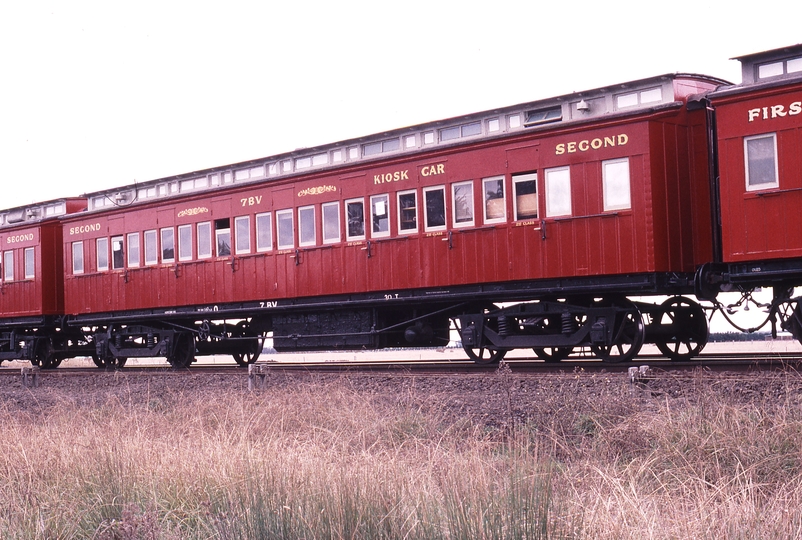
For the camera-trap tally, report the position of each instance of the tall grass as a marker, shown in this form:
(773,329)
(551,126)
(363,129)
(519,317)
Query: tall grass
(570,460)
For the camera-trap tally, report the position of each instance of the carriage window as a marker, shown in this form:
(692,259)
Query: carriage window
(760,153)
(151,248)
(242,225)
(380,216)
(264,232)
(117,253)
(331,222)
(495,210)
(204,240)
(407,212)
(558,192)
(222,234)
(615,177)
(462,204)
(306,226)
(77,261)
(102,254)
(133,250)
(284,229)
(168,245)
(435,208)
(29,264)
(355,211)
(184,243)
(525,186)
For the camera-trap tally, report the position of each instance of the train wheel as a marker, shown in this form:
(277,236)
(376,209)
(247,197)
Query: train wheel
(552,355)
(254,347)
(44,355)
(692,332)
(484,355)
(183,353)
(109,363)
(627,340)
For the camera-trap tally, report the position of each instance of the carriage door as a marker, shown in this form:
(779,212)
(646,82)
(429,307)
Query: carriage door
(525,246)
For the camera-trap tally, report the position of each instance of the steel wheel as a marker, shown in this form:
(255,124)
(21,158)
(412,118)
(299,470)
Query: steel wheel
(688,318)
(254,347)
(629,334)
(484,355)
(553,354)
(183,353)
(108,363)
(44,355)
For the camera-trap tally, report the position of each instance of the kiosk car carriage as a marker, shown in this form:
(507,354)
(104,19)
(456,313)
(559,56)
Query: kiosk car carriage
(530,226)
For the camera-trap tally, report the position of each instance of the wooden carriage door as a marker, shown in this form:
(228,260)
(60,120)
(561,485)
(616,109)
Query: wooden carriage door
(525,213)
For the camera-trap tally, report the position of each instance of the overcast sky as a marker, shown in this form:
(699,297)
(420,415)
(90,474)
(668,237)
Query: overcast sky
(100,94)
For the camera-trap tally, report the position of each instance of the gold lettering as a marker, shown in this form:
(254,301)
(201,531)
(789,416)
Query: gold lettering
(795,108)
(609,141)
(777,110)
(597,143)
(753,113)
(623,139)
(584,146)
(571,147)
(560,149)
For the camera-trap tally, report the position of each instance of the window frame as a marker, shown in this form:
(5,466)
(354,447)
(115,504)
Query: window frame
(151,238)
(303,216)
(426,192)
(550,176)
(616,188)
(402,210)
(120,238)
(326,223)
(283,214)
(454,205)
(763,186)
(204,251)
(133,255)
(239,249)
(30,269)
(183,245)
(221,231)
(79,244)
(520,178)
(485,200)
(356,237)
(261,219)
(373,232)
(166,246)
(104,250)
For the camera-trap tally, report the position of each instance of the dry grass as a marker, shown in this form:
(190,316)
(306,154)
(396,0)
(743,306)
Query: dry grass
(329,460)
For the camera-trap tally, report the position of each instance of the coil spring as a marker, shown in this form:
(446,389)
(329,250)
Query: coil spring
(118,340)
(568,323)
(503,326)
(151,340)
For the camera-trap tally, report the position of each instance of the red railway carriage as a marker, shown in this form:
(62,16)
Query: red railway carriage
(31,281)
(379,241)
(758,129)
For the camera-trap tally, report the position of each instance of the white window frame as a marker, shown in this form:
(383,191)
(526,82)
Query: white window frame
(183,245)
(426,226)
(485,200)
(558,185)
(219,234)
(615,188)
(374,199)
(204,229)
(30,266)
(280,215)
(304,213)
(326,210)
(77,262)
(356,237)
(759,187)
(105,250)
(454,205)
(242,245)
(263,219)
(151,240)
(121,239)
(133,253)
(171,231)
(414,193)
(519,179)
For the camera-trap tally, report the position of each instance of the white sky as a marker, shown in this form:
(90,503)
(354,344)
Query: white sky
(96,94)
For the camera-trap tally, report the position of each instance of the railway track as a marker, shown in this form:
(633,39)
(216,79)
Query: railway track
(737,361)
